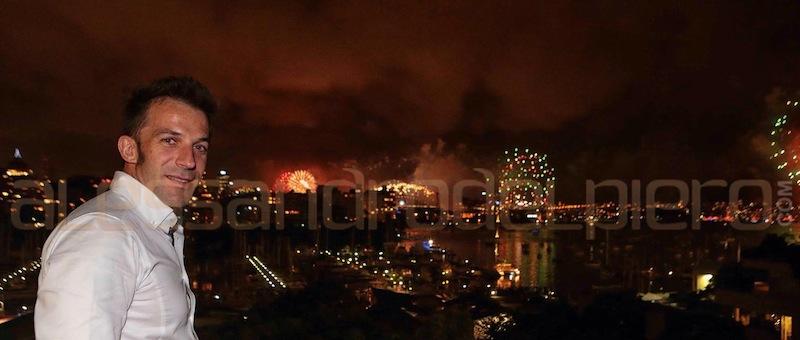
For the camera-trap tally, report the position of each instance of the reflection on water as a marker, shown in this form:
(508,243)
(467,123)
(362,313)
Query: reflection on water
(523,259)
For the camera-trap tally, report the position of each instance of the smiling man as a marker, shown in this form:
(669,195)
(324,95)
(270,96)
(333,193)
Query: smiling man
(113,269)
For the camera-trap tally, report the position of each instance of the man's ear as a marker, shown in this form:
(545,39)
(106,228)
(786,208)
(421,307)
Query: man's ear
(128,149)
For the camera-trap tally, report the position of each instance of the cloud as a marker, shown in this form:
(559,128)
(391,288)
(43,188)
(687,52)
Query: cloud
(315,83)
(437,163)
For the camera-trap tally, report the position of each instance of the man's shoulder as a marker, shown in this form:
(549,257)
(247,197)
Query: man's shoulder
(106,212)
(102,220)
(108,207)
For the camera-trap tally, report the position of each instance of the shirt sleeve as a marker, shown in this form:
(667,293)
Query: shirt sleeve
(87,282)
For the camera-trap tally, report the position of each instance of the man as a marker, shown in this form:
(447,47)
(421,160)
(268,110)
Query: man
(113,269)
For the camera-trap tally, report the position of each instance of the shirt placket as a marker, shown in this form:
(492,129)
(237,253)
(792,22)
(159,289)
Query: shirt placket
(178,247)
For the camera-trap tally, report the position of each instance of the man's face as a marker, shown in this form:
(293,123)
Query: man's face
(173,146)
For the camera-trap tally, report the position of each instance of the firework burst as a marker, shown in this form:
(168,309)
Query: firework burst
(525,179)
(297,181)
(785,141)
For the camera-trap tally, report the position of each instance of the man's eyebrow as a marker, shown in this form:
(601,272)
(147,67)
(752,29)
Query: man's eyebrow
(168,131)
(176,133)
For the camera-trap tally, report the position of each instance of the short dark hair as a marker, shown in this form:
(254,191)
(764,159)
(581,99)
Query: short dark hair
(185,89)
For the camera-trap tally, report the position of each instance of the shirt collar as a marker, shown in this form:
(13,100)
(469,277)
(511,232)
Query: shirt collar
(145,203)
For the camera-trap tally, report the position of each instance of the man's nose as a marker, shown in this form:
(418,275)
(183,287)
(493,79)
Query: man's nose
(185,158)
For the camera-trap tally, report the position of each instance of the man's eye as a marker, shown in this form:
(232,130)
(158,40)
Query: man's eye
(169,140)
(202,148)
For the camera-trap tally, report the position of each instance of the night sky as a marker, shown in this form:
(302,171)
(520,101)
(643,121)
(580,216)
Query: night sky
(413,89)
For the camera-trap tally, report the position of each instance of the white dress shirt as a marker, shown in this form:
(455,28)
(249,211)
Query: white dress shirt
(110,271)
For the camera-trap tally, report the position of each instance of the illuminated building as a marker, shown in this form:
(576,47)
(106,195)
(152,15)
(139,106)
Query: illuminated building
(224,183)
(404,194)
(202,192)
(15,243)
(761,289)
(408,199)
(17,169)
